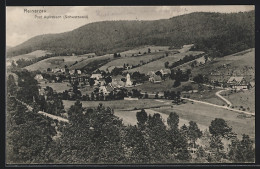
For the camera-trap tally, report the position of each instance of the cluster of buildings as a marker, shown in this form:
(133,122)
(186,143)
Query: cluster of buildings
(234,82)
(154,78)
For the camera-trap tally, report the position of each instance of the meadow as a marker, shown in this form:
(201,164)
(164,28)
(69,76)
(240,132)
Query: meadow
(160,64)
(119,104)
(245,98)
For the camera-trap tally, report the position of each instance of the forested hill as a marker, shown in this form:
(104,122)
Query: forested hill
(218,33)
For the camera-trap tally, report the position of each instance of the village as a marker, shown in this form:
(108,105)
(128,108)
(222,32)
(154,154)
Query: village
(163,91)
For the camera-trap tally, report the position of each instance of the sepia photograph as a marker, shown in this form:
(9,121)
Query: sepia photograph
(130,85)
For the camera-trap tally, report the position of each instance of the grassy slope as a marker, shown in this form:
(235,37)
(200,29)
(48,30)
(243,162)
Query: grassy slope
(204,114)
(50,62)
(118,104)
(29,56)
(159,64)
(132,60)
(242,98)
(241,63)
(144,49)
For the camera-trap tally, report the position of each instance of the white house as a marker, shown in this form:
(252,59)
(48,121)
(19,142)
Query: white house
(71,72)
(96,76)
(104,90)
(38,77)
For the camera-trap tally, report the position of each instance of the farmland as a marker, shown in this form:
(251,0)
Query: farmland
(160,64)
(55,62)
(119,104)
(58,87)
(240,64)
(144,49)
(29,56)
(133,60)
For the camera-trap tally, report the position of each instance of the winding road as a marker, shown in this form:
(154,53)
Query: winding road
(229,104)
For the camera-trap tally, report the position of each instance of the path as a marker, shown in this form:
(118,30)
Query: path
(223,107)
(229,104)
(60,119)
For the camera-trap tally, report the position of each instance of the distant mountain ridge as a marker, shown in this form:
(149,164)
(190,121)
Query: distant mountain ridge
(222,33)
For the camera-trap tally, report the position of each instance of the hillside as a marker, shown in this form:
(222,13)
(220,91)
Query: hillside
(219,33)
(237,64)
(160,64)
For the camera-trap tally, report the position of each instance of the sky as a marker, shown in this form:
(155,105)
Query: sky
(21,26)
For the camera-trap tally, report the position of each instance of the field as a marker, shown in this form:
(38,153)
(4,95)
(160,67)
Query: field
(244,98)
(200,113)
(160,87)
(29,56)
(144,49)
(159,64)
(132,60)
(207,96)
(240,64)
(58,87)
(119,104)
(129,117)
(55,62)
(204,114)
(83,63)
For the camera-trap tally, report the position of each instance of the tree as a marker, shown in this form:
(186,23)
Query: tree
(158,73)
(242,151)
(115,55)
(157,138)
(194,132)
(141,117)
(173,121)
(91,82)
(166,64)
(76,112)
(11,85)
(108,79)
(156,95)
(219,127)
(216,143)
(172,75)
(146,95)
(149,50)
(199,78)
(176,83)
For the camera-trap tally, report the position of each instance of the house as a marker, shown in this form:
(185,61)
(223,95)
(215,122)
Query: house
(56,70)
(63,70)
(117,83)
(38,77)
(151,73)
(165,71)
(103,89)
(238,83)
(96,76)
(252,84)
(155,79)
(79,72)
(71,72)
(130,98)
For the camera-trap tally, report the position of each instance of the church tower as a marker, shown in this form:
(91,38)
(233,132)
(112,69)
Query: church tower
(128,80)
